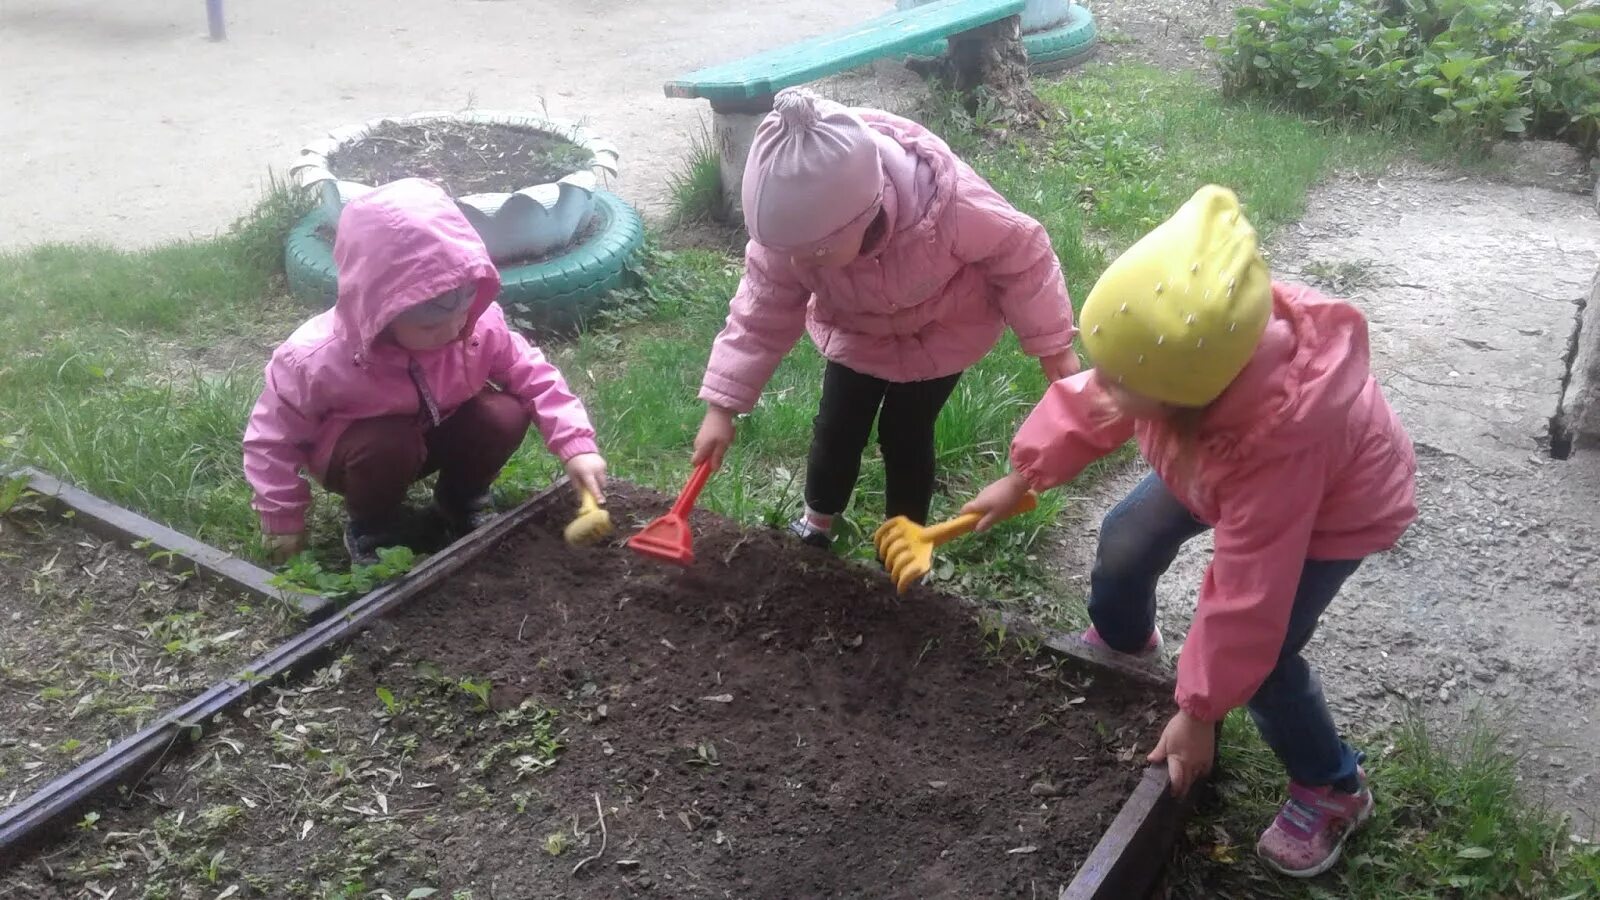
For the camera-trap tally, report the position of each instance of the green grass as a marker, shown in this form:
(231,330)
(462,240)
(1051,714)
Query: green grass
(1451,822)
(131,372)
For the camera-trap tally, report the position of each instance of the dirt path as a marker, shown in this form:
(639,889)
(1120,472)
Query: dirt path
(1472,290)
(124,124)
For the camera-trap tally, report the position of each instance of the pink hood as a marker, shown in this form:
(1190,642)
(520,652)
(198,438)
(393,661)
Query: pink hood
(1300,458)
(955,265)
(398,246)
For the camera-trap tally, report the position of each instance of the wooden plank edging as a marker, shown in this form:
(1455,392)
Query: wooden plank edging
(1128,860)
(116,523)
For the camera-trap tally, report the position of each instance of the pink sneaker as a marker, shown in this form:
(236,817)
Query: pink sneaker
(1308,835)
(1151,651)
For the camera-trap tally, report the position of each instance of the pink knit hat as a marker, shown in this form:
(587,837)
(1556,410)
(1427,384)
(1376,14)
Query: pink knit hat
(813,171)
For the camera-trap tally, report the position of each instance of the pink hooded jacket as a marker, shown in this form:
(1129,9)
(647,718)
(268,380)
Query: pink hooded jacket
(398,246)
(957,263)
(1300,458)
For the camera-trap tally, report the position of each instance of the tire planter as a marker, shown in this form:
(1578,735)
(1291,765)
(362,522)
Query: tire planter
(553,295)
(1050,50)
(531,221)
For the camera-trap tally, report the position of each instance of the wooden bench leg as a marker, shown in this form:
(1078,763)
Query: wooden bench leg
(733,130)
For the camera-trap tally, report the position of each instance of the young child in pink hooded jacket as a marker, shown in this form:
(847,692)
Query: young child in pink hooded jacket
(905,266)
(413,371)
(1255,405)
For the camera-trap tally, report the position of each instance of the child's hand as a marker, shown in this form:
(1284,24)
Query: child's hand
(1059,365)
(281,548)
(997,500)
(716,435)
(1189,747)
(588,471)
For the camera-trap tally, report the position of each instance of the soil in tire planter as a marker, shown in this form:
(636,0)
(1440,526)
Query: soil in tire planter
(771,723)
(463,158)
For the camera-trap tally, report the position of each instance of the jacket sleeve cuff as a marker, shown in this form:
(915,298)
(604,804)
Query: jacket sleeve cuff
(574,446)
(1198,708)
(720,392)
(283,522)
(1047,344)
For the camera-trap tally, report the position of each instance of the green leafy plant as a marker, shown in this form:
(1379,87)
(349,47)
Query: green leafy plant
(304,574)
(12,491)
(390,704)
(478,689)
(1479,69)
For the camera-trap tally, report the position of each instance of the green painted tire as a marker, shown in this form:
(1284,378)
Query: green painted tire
(1048,51)
(1060,48)
(552,295)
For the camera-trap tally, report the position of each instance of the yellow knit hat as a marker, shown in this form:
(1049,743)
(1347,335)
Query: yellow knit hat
(1178,315)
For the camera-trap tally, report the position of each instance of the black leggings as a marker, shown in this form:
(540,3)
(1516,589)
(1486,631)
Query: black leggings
(850,402)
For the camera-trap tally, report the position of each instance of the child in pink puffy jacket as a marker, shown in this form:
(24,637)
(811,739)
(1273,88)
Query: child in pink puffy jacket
(1256,407)
(413,371)
(904,265)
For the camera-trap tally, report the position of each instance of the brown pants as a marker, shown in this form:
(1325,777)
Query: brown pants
(377,460)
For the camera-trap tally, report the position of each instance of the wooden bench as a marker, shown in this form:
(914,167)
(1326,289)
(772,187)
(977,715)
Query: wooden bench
(741,92)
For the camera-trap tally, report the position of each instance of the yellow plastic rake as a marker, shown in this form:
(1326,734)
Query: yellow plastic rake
(907,548)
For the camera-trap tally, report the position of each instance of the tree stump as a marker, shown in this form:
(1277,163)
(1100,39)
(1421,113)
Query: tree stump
(989,65)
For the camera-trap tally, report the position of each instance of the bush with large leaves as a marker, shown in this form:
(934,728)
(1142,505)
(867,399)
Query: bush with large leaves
(1477,68)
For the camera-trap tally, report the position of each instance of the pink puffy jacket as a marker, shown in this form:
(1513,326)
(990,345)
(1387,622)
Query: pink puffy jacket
(398,246)
(956,265)
(1300,458)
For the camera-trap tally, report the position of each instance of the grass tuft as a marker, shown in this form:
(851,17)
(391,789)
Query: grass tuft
(696,185)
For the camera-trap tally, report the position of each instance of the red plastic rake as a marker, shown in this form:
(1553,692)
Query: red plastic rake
(668,538)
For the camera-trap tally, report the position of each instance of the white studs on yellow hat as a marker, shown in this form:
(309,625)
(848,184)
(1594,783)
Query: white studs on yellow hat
(1177,317)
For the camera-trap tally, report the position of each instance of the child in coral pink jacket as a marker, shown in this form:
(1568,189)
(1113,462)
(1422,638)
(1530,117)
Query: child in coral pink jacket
(1255,405)
(904,265)
(413,371)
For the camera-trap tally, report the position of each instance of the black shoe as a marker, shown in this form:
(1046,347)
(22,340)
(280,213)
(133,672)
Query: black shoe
(810,535)
(461,519)
(363,541)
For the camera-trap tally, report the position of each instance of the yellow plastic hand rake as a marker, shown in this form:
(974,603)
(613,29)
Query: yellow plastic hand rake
(907,548)
(592,522)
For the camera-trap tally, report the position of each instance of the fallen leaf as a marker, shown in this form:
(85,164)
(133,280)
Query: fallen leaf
(306,829)
(1021,850)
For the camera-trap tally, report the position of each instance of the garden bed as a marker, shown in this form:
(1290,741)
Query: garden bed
(96,639)
(772,722)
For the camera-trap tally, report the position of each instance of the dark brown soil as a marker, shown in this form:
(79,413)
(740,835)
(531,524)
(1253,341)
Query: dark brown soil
(96,640)
(771,723)
(463,158)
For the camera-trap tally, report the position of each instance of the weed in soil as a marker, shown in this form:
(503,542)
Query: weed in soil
(96,640)
(463,158)
(574,722)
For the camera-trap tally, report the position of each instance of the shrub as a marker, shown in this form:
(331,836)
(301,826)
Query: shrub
(1477,68)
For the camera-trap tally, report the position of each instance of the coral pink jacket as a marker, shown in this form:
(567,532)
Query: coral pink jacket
(1300,458)
(398,246)
(955,266)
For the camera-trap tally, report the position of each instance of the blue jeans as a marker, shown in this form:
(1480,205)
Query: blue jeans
(1138,542)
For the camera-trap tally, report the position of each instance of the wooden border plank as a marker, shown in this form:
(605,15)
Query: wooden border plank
(26,824)
(1131,855)
(116,523)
